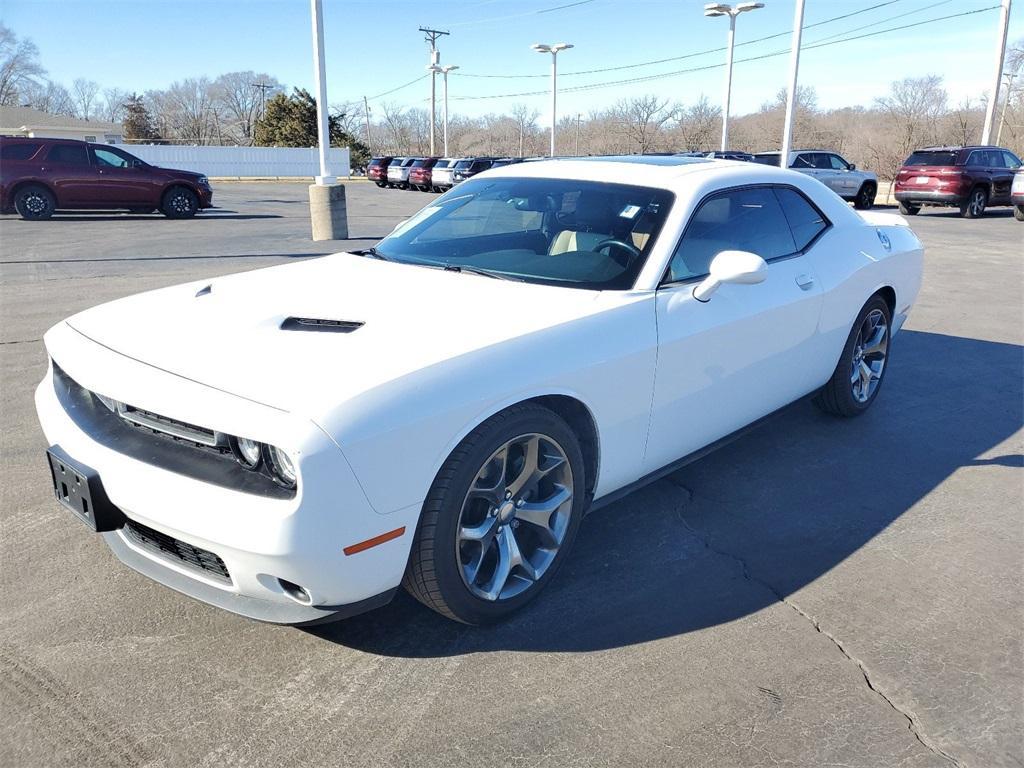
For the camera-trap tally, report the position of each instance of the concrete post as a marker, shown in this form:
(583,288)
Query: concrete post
(328,211)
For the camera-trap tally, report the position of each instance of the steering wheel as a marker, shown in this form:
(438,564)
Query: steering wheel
(633,251)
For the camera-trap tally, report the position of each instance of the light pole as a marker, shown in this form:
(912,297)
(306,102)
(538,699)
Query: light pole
(444,71)
(553,50)
(724,9)
(791,94)
(327,209)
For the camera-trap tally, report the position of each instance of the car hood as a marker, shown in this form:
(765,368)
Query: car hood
(227,332)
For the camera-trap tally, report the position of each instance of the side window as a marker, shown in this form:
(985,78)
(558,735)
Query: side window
(976,158)
(805,222)
(69,154)
(18,151)
(1012,161)
(838,164)
(994,159)
(737,220)
(803,161)
(106,158)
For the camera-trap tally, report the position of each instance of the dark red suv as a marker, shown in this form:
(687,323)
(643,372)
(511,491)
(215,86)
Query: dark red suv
(969,178)
(377,170)
(40,176)
(421,173)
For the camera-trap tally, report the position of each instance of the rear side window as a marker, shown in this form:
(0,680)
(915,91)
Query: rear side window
(932,158)
(805,221)
(766,159)
(69,154)
(804,161)
(22,151)
(1012,161)
(736,220)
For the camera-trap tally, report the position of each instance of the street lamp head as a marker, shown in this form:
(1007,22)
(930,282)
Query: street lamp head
(561,47)
(744,7)
(541,48)
(717,9)
(449,68)
(433,68)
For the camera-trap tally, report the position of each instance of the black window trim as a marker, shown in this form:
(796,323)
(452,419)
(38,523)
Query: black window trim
(665,282)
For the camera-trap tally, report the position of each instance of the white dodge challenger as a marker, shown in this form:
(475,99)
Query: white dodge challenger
(440,411)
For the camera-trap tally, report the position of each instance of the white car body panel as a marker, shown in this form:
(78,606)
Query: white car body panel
(370,416)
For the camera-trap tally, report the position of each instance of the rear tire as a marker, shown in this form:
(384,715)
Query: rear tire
(860,372)
(34,202)
(974,206)
(865,197)
(381,184)
(1018,212)
(179,203)
(480,553)
(908,209)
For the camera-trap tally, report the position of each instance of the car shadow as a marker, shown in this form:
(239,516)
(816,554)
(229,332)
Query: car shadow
(108,216)
(781,506)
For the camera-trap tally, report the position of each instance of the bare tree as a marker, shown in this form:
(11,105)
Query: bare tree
(46,96)
(19,65)
(85,95)
(526,127)
(698,125)
(111,108)
(240,102)
(186,111)
(641,119)
(909,118)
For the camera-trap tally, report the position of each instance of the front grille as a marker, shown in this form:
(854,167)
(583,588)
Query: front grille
(177,550)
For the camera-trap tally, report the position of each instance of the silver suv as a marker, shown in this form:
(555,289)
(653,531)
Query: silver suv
(833,171)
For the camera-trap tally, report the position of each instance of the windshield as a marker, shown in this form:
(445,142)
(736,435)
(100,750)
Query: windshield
(932,158)
(581,234)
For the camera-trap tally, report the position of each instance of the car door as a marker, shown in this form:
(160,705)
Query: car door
(1012,163)
(844,182)
(121,179)
(1001,175)
(67,168)
(749,349)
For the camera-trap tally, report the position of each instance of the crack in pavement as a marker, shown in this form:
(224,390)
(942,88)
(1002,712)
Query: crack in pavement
(20,341)
(912,724)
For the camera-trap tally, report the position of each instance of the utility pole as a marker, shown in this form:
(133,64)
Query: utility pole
(990,112)
(264,87)
(431,36)
(794,67)
(327,209)
(578,115)
(366,112)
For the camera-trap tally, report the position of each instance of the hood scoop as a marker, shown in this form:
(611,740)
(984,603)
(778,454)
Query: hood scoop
(320,324)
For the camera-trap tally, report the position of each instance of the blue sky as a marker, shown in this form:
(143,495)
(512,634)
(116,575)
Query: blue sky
(374,46)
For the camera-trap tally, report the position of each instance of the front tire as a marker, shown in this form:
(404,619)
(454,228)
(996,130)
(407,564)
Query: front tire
(1018,212)
(909,210)
(974,206)
(858,377)
(865,197)
(500,517)
(34,202)
(179,203)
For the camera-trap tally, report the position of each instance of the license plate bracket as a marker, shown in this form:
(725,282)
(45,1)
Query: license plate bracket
(78,488)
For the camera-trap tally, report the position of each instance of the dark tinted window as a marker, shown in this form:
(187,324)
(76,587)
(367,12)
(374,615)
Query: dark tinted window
(481,165)
(378,161)
(18,151)
(72,154)
(397,161)
(463,164)
(805,222)
(805,160)
(942,157)
(419,163)
(737,220)
(767,159)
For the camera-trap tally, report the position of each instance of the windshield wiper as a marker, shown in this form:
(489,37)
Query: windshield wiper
(478,271)
(372,252)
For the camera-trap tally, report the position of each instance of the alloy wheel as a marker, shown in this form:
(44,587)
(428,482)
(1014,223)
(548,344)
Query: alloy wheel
(514,517)
(181,203)
(869,353)
(977,204)
(34,203)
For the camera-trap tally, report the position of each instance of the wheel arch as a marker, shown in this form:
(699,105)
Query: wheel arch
(20,185)
(888,293)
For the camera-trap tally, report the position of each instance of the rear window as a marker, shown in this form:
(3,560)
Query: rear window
(22,151)
(769,159)
(419,163)
(463,164)
(397,161)
(377,161)
(72,154)
(932,158)
(442,164)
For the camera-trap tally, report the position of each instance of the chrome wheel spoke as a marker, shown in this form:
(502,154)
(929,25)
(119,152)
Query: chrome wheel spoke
(489,483)
(529,468)
(538,515)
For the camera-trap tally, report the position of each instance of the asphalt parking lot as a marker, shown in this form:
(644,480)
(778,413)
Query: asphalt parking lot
(819,592)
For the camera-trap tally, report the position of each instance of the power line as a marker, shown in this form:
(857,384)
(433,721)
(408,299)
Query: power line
(507,17)
(697,53)
(663,75)
(400,87)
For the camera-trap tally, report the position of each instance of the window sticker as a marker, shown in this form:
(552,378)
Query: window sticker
(630,211)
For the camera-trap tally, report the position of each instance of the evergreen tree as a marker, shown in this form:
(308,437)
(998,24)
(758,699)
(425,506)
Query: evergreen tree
(290,121)
(138,123)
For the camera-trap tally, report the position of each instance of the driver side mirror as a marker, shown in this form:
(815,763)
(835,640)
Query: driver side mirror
(736,267)
(851,166)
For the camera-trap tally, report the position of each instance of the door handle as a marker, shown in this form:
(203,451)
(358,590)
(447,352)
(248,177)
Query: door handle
(806,282)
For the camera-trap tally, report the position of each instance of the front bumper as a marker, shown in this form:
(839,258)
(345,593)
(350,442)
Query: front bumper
(205,197)
(260,539)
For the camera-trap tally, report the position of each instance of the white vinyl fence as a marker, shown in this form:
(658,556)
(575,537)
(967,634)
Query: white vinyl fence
(242,161)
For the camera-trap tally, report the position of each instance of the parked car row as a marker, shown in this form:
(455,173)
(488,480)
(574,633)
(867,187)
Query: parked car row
(430,174)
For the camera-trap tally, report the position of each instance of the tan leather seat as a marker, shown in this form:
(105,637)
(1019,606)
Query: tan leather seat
(568,240)
(591,220)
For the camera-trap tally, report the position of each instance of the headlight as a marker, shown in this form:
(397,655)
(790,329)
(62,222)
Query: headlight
(281,467)
(204,181)
(246,451)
